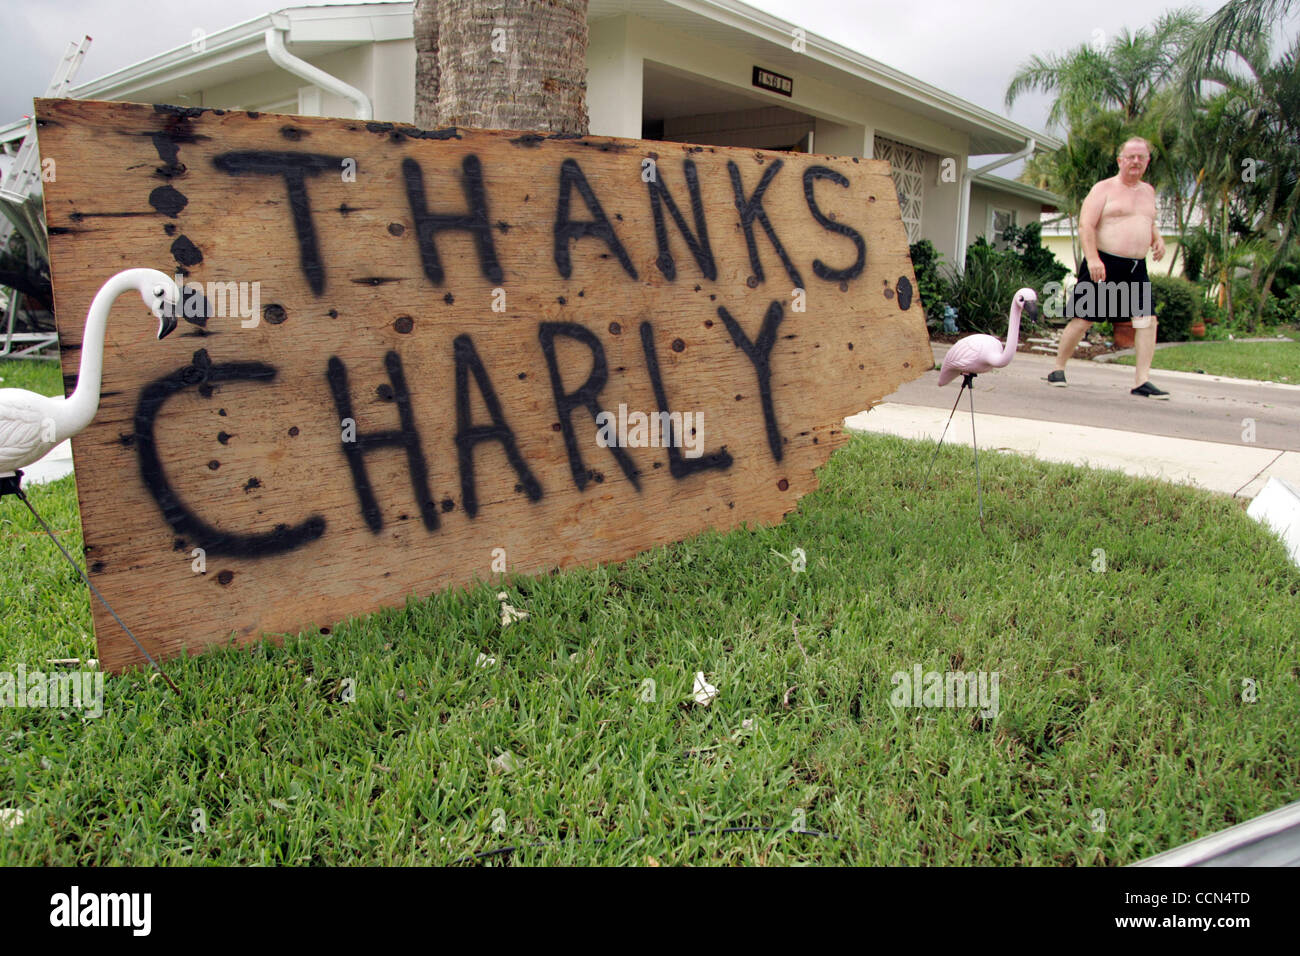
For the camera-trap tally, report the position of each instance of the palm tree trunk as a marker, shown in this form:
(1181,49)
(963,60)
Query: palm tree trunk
(1257,265)
(426,63)
(1185,216)
(1283,244)
(506,64)
(1225,273)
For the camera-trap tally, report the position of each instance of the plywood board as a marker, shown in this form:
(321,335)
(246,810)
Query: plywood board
(395,345)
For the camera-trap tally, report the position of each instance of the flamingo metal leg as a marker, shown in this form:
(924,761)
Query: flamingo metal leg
(926,483)
(12,485)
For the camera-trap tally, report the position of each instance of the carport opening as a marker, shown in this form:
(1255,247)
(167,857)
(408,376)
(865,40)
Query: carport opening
(681,107)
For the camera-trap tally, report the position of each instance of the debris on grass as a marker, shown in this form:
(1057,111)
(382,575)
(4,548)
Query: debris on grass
(505,763)
(10,817)
(509,613)
(704,691)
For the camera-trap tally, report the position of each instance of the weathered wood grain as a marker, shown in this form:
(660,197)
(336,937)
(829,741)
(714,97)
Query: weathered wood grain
(231,439)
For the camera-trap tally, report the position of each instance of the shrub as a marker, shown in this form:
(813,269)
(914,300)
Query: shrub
(982,294)
(929,282)
(1178,307)
(1038,261)
(1288,307)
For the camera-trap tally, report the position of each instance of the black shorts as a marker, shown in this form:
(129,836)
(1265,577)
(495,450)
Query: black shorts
(1124,294)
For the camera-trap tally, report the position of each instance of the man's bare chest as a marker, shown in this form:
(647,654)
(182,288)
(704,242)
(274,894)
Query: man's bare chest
(1125,203)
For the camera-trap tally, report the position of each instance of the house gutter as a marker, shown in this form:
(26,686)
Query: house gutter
(317,77)
(963,211)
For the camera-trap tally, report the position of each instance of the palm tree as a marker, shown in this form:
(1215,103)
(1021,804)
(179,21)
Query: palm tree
(1246,109)
(507,64)
(1228,29)
(1123,76)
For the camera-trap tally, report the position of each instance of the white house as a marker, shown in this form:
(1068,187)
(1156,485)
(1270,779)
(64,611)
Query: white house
(714,72)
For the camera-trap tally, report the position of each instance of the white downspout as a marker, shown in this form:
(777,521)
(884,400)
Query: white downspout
(963,210)
(315,76)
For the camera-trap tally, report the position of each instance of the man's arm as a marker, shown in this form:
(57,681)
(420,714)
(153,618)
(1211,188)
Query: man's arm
(1089,219)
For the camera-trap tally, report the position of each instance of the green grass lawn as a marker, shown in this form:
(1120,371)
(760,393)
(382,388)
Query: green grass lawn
(1263,361)
(32,374)
(1119,692)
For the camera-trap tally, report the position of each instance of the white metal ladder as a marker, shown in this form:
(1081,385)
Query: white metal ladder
(20,201)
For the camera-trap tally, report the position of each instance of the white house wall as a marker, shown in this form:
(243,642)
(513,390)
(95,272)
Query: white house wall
(392,66)
(766,127)
(983,199)
(613,80)
(942,203)
(383,71)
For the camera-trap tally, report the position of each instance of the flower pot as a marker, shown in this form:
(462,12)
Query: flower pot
(1122,335)
(1198,330)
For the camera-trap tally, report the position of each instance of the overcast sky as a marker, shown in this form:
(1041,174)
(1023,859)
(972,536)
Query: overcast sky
(967,48)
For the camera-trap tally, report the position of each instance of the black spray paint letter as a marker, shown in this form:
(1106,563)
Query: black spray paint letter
(405,437)
(295,168)
(810,176)
(475,222)
(468,434)
(678,465)
(567,230)
(584,396)
(751,209)
(759,352)
(698,242)
(183,521)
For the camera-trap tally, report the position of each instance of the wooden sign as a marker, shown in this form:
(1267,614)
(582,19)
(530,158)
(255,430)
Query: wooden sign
(409,359)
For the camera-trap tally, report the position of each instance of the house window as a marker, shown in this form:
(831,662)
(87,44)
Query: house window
(907,164)
(999,221)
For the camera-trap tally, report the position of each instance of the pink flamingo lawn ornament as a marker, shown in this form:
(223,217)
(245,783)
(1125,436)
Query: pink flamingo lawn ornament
(971,356)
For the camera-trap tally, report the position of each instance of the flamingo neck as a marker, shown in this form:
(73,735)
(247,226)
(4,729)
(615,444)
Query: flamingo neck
(1013,338)
(83,403)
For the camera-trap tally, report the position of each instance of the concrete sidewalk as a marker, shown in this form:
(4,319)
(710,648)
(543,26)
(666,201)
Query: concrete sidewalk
(56,463)
(1233,469)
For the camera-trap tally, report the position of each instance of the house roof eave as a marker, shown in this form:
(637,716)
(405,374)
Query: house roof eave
(314,30)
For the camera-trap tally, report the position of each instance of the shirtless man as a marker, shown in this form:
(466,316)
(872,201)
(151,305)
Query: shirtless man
(1117,227)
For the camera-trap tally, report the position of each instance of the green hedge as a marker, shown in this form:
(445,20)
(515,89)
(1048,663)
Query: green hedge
(929,282)
(1178,307)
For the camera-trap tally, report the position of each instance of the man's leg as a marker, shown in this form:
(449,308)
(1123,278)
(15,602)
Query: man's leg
(1144,343)
(1071,336)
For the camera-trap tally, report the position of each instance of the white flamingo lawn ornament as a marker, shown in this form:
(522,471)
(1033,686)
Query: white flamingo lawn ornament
(32,424)
(975,354)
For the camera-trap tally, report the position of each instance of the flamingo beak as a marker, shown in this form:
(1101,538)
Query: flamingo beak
(1031,311)
(166,325)
(165,307)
